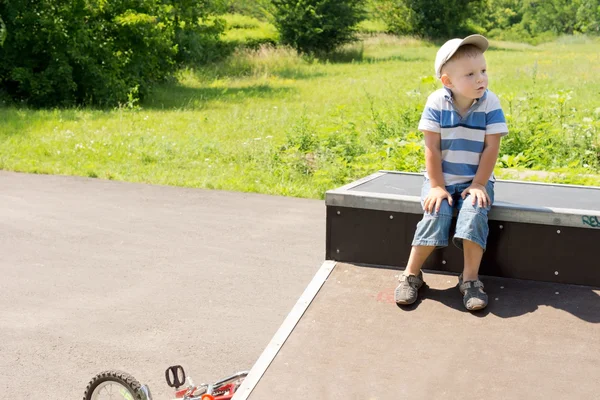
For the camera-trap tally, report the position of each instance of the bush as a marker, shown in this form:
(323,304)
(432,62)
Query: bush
(316,26)
(97,52)
(64,52)
(197,33)
(539,21)
(395,14)
(201,42)
(434,19)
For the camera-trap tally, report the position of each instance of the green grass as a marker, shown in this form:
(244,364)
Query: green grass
(242,30)
(370,26)
(270,121)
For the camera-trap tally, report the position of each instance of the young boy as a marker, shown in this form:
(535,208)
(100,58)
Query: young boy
(462,124)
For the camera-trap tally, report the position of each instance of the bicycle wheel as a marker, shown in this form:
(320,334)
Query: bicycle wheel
(113,385)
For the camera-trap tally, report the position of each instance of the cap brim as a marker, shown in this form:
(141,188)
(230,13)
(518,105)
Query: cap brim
(476,40)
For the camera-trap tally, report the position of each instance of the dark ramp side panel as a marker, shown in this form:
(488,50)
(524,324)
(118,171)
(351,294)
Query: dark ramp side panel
(535,341)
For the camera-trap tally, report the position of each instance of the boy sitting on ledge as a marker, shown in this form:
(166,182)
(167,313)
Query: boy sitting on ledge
(463,124)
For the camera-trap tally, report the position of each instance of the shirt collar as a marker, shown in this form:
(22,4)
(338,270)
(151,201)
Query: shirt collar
(448,96)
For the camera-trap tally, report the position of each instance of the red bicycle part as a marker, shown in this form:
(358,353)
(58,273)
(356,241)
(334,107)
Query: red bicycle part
(224,392)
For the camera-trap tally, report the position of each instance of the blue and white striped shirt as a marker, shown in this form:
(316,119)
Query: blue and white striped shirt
(462,138)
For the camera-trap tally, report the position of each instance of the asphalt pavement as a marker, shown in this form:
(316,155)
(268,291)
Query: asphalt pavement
(98,275)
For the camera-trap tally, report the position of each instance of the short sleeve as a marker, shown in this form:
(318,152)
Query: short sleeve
(431,117)
(495,122)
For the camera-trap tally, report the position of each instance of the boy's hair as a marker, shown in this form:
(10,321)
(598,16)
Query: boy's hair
(468,50)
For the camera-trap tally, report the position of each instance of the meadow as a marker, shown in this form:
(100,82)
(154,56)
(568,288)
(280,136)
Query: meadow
(267,120)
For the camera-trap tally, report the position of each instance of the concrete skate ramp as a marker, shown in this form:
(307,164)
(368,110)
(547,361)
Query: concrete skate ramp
(535,340)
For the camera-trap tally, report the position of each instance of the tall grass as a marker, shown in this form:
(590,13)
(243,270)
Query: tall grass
(263,62)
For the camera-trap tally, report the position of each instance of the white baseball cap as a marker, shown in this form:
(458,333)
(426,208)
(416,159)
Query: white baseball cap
(450,47)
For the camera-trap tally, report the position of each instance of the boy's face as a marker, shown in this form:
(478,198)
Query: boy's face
(467,76)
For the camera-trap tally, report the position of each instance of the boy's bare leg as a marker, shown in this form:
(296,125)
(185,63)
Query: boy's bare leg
(473,254)
(418,255)
(474,298)
(411,280)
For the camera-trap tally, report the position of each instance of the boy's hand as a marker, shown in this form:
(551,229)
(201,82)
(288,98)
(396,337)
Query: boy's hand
(434,199)
(478,194)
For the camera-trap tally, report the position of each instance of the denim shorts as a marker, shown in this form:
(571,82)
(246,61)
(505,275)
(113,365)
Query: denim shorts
(471,224)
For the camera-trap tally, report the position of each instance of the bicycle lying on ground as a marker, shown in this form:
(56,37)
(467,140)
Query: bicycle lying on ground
(113,385)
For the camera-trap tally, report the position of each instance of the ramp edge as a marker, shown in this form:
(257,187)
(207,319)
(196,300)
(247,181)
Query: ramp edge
(284,331)
(501,211)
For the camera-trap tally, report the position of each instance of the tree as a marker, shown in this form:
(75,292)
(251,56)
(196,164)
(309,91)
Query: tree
(432,19)
(197,32)
(316,26)
(396,14)
(66,52)
(562,16)
(441,19)
(588,17)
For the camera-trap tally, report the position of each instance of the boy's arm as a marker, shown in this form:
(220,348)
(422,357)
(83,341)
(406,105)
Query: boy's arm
(495,128)
(433,158)
(491,148)
(433,163)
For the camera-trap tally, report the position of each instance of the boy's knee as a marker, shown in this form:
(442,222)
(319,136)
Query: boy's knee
(444,212)
(468,206)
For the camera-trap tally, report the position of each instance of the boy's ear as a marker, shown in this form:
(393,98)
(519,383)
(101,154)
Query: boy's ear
(446,80)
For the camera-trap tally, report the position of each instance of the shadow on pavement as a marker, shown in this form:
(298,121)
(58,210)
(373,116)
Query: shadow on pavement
(512,298)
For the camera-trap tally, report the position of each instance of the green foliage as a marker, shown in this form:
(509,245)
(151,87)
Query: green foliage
(545,134)
(396,15)
(196,31)
(201,42)
(435,19)
(337,153)
(260,9)
(556,16)
(539,21)
(522,20)
(2,32)
(317,26)
(588,17)
(63,52)
(248,32)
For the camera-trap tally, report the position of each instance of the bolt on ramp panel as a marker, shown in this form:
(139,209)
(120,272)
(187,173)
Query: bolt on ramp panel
(535,340)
